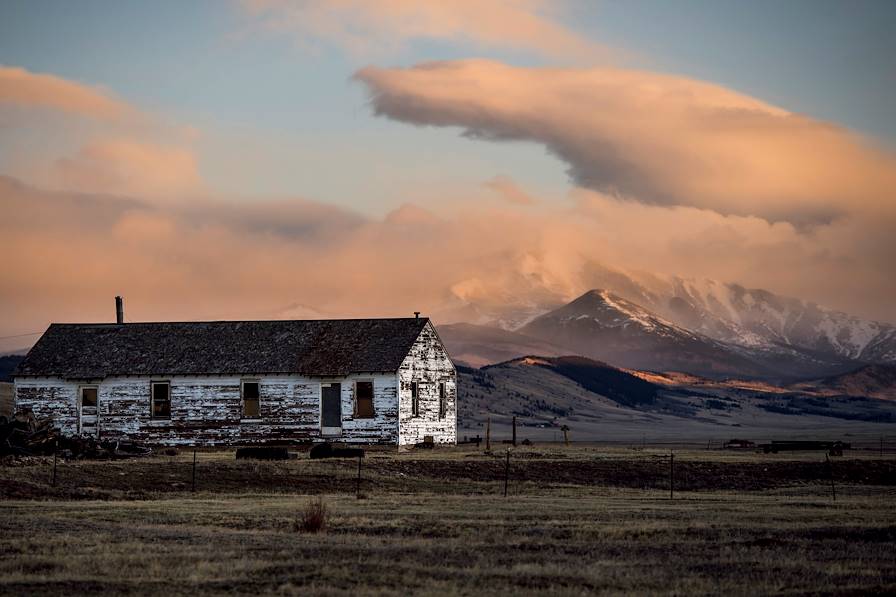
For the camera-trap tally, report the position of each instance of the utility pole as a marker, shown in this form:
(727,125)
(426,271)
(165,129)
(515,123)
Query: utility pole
(488,435)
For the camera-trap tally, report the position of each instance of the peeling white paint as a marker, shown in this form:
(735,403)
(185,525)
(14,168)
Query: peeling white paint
(206,410)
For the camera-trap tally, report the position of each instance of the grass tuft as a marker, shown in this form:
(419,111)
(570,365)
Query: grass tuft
(314,517)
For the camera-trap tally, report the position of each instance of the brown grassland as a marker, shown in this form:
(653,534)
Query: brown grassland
(576,520)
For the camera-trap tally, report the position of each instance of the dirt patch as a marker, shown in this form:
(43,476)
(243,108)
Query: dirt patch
(653,473)
(151,477)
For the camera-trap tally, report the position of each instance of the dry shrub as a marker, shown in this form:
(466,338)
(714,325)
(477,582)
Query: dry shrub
(314,517)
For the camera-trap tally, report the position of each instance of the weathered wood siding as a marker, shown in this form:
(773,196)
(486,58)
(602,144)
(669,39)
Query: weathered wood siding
(207,410)
(50,398)
(428,364)
(6,399)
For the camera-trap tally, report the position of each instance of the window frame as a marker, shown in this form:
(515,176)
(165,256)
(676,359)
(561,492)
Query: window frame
(96,398)
(356,414)
(152,400)
(243,416)
(415,398)
(443,400)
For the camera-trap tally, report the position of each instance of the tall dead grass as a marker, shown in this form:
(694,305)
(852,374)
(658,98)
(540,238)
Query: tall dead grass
(314,517)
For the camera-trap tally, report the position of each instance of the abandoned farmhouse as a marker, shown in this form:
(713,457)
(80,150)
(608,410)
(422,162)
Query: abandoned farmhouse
(384,381)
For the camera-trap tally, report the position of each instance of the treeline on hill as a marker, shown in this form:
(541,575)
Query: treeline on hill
(8,364)
(603,379)
(480,377)
(595,376)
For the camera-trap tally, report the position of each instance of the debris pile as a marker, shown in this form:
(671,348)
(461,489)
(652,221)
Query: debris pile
(27,435)
(262,453)
(327,450)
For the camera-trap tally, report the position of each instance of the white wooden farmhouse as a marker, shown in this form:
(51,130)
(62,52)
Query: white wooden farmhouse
(385,381)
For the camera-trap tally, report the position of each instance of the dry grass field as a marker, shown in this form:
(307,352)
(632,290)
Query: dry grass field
(576,520)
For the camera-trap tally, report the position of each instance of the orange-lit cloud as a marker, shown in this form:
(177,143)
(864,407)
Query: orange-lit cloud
(263,259)
(129,166)
(509,191)
(649,137)
(119,149)
(22,88)
(365,26)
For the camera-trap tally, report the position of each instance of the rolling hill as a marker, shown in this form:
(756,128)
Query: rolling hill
(478,345)
(601,402)
(874,381)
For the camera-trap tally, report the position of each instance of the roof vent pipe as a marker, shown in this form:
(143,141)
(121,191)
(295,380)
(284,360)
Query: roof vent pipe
(119,310)
(416,314)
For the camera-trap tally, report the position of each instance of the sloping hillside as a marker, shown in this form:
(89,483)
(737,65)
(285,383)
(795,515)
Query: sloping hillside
(600,378)
(601,402)
(872,381)
(8,364)
(478,345)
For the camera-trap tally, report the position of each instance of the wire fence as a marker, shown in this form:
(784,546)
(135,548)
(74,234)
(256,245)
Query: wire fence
(658,470)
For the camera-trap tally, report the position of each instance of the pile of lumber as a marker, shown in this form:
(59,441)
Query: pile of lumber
(27,435)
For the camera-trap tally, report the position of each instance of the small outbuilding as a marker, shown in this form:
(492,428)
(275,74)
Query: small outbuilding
(375,381)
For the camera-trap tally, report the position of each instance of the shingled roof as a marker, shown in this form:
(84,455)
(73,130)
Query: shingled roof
(312,347)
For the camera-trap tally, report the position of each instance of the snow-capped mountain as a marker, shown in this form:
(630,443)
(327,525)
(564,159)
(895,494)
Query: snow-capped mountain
(753,318)
(602,325)
(746,319)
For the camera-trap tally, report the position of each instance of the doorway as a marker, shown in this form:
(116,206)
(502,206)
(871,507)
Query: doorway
(331,409)
(89,411)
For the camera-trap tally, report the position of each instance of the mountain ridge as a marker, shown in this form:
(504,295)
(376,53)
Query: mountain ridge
(602,325)
(752,318)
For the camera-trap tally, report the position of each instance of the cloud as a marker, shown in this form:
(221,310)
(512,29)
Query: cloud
(128,166)
(652,138)
(94,143)
(22,88)
(509,190)
(366,26)
(217,259)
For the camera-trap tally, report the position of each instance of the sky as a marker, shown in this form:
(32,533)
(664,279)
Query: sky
(264,158)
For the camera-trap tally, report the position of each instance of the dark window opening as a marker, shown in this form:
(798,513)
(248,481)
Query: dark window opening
(442,405)
(161,400)
(364,399)
(415,398)
(251,400)
(88,397)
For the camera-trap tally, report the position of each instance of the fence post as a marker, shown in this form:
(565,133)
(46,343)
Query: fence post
(514,430)
(671,475)
(358,482)
(506,473)
(55,452)
(194,471)
(831,475)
